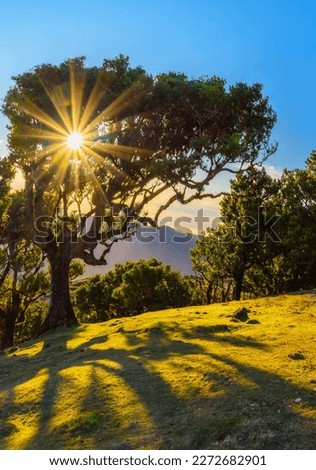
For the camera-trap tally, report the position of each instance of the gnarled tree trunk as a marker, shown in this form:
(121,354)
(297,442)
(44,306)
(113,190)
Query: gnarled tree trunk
(60,312)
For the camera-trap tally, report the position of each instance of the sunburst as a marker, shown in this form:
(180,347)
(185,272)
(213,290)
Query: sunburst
(75,140)
(74,134)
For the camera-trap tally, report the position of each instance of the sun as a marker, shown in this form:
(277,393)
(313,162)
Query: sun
(77,136)
(74,140)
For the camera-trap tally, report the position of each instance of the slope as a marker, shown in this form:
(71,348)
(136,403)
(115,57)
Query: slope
(192,378)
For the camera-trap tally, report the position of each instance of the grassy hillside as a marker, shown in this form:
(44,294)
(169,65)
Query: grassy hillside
(179,379)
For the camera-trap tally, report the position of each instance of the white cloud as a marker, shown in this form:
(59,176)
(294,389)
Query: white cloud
(273,171)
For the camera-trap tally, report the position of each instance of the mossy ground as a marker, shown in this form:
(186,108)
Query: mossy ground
(178,379)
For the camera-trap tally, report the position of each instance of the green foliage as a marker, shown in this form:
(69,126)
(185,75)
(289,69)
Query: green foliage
(296,202)
(149,285)
(93,298)
(238,255)
(224,255)
(131,289)
(32,319)
(22,278)
(76,269)
(143,136)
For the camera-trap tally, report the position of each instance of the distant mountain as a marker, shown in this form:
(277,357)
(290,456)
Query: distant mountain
(166,244)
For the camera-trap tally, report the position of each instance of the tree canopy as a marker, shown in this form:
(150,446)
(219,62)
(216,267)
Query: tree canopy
(116,137)
(239,258)
(132,288)
(22,279)
(243,240)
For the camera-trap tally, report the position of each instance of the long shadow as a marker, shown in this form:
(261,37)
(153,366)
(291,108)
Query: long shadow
(238,414)
(272,411)
(19,369)
(221,333)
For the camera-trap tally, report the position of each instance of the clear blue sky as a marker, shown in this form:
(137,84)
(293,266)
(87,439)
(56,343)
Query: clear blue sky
(268,41)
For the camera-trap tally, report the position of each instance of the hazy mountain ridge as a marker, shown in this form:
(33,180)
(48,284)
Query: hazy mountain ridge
(166,244)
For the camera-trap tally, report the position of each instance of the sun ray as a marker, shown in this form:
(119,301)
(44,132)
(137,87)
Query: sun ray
(105,163)
(59,101)
(94,133)
(49,150)
(74,140)
(123,101)
(36,134)
(62,168)
(76,173)
(121,151)
(111,111)
(94,99)
(38,114)
(77,82)
(57,162)
(94,179)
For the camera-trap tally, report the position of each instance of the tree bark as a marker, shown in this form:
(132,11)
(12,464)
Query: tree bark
(11,315)
(209,293)
(238,287)
(60,312)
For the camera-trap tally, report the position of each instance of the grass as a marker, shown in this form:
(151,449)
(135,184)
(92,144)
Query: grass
(178,379)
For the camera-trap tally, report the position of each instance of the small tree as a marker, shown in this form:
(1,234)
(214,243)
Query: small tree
(296,202)
(119,138)
(244,239)
(22,279)
(132,288)
(149,285)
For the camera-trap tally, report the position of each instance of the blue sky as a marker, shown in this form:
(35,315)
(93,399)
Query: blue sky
(271,42)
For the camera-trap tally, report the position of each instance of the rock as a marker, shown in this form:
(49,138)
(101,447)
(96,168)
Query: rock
(253,322)
(297,356)
(312,381)
(298,400)
(221,436)
(241,314)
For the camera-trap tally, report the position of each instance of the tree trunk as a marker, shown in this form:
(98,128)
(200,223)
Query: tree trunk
(238,287)
(11,315)
(209,293)
(60,312)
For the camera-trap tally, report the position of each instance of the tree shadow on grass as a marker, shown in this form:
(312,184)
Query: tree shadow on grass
(19,411)
(222,333)
(162,391)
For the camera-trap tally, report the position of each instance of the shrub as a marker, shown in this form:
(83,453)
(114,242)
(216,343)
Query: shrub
(131,289)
